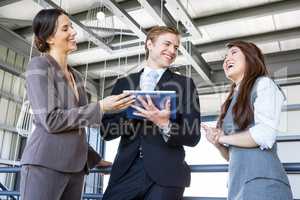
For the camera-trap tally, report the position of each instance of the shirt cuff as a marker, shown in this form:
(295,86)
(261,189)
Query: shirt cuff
(264,136)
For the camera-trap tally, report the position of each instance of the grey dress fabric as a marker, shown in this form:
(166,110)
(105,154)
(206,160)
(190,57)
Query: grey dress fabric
(254,174)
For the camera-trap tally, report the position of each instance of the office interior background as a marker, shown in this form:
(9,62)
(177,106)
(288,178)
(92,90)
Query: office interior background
(110,36)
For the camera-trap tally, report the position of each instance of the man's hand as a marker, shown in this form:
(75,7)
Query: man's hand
(161,118)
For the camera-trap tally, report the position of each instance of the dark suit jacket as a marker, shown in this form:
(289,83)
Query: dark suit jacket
(164,162)
(59,140)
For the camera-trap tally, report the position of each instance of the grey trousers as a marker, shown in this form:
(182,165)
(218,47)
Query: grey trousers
(40,183)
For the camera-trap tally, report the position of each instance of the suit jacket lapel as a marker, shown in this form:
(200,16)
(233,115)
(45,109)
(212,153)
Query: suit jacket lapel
(167,75)
(55,66)
(135,78)
(62,79)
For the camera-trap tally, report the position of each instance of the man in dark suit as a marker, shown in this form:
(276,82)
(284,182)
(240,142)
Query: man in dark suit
(150,160)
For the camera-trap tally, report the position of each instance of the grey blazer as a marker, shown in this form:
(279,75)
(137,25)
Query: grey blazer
(59,140)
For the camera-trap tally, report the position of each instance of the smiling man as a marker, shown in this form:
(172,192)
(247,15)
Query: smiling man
(150,160)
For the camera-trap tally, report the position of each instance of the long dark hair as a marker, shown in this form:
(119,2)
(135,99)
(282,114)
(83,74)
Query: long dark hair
(255,67)
(44,25)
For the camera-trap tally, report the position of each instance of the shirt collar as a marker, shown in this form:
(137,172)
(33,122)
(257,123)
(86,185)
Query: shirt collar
(160,71)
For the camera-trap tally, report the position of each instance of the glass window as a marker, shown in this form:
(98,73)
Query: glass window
(22,88)
(10,118)
(93,180)
(1,138)
(94,98)
(19,62)
(11,56)
(3,175)
(6,145)
(3,106)
(3,53)
(295,184)
(14,147)
(207,185)
(284,152)
(7,82)
(1,78)
(18,110)
(26,60)
(289,123)
(111,148)
(23,141)
(292,94)
(15,85)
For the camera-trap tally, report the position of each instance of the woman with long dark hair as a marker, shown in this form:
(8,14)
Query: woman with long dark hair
(246,129)
(57,154)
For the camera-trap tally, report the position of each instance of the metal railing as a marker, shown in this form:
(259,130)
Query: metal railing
(290,168)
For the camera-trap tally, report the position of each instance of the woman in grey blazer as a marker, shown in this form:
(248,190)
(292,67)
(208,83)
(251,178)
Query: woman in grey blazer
(246,130)
(57,154)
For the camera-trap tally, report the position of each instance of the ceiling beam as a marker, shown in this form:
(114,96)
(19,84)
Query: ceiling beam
(261,10)
(117,43)
(256,11)
(179,13)
(115,31)
(106,65)
(213,46)
(284,67)
(119,12)
(280,63)
(15,21)
(7,2)
(15,42)
(291,33)
(128,5)
(160,14)
(93,37)
(9,68)
(197,61)
(164,18)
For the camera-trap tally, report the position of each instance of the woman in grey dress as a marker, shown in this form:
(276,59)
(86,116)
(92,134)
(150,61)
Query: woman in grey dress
(246,129)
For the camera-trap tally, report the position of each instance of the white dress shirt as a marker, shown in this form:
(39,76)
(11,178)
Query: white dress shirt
(147,70)
(267,109)
(164,130)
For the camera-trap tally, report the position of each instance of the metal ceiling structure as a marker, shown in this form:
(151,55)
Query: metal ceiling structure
(206,27)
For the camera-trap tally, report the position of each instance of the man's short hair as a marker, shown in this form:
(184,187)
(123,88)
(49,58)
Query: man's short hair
(157,31)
